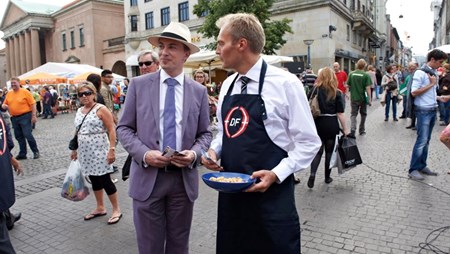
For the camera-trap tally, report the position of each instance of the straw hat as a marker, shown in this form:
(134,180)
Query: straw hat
(178,32)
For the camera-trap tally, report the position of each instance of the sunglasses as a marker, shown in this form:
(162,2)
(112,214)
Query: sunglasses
(86,93)
(147,63)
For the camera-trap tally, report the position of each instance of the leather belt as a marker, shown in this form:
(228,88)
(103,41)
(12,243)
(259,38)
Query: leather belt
(21,114)
(171,169)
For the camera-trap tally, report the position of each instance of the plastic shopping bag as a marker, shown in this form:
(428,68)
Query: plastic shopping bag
(74,187)
(348,152)
(334,155)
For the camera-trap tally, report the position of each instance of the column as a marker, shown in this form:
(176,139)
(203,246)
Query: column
(11,57)
(29,62)
(23,65)
(16,56)
(35,48)
(8,67)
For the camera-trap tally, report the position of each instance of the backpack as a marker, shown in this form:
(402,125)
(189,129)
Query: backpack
(410,100)
(54,99)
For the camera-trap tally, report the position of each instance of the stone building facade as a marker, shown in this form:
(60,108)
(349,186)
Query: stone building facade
(340,30)
(76,33)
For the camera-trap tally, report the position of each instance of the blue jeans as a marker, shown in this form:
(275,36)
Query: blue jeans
(405,102)
(390,98)
(47,110)
(425,123)
(22,132)
(446,112)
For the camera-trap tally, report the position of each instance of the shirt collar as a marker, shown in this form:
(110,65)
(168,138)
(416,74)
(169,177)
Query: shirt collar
(254,72)
(179,78)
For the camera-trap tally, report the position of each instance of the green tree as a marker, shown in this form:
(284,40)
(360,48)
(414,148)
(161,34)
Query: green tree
(214,9)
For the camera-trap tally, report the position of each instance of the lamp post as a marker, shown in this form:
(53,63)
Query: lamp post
(309,42)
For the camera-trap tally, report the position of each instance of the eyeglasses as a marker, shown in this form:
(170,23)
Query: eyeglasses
(86,93)
(147,63)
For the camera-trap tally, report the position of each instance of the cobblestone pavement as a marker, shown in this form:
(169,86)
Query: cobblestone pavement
(373,208)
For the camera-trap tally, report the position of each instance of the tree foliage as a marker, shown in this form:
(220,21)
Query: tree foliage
(214,9)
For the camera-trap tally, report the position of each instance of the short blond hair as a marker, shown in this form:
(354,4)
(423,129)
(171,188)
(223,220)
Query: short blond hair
(361,64)
(90,86)
(247,26)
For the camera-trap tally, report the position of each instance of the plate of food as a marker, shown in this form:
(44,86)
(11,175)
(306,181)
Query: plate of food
(228,181)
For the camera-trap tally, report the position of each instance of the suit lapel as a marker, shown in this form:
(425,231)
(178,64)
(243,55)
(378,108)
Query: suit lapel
(187,102)
(153,97)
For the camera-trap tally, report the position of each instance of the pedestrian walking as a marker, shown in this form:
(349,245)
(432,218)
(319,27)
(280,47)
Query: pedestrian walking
(359,83)
(22,108)
(332,104)
(96,151)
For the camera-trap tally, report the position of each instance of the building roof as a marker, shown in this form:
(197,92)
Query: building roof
(37,8)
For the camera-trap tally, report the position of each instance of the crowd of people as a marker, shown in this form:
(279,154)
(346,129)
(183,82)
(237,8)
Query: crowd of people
(257,113)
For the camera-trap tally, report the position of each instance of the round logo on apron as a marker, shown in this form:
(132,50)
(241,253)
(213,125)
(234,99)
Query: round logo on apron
(236,122)
(2,137)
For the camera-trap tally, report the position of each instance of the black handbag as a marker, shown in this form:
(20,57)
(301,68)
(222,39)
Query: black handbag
(126,168)
(392,85)
(73,143)
(348,152)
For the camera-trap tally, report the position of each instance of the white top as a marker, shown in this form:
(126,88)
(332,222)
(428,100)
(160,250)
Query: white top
(289,122)
(178,106)
(428,98)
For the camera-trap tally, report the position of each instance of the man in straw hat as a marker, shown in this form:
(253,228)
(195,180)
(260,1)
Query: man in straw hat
(270,136)
(165,109)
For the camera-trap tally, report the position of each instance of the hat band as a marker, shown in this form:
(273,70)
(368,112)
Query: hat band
(172,35)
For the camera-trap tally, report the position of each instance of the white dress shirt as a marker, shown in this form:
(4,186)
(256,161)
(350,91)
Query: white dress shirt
(289,122)
(179,88)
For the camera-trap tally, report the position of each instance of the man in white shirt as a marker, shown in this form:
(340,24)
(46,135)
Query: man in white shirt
(265,129)
(424,91)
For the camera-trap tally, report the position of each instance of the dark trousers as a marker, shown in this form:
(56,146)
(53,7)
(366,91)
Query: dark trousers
(22,132)
(47,110)
(5,243)
(38,107)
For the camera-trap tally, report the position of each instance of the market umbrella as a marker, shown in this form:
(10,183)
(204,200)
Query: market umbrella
(81,78)
(445,48)
(43,78)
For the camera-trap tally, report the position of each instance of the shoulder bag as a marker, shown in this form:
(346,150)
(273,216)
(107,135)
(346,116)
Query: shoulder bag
(314,103)
(73,143)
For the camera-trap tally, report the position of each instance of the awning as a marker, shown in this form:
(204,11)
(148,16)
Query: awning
(132,60)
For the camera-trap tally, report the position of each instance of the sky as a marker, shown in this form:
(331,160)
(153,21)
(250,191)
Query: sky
(417,21)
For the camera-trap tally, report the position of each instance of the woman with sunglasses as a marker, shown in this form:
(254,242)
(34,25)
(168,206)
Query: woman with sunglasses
(96,150)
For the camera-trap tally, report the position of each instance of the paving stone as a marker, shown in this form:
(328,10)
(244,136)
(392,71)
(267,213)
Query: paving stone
(373,208)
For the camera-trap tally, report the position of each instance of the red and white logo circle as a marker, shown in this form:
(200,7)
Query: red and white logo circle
(236,119)
(2,137)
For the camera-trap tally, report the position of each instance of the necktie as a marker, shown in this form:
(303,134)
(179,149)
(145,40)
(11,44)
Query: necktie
(169,138)
(244,81)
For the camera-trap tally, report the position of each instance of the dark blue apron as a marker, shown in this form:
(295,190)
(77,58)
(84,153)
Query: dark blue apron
(7,196)
(254,223)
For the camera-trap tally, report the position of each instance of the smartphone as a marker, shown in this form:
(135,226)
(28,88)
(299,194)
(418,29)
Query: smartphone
(206,155)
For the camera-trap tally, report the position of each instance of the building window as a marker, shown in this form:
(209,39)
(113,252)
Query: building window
(348,32)
(134,23)
(183,11)
(360,40)
(133,2)
(64,42)
(165,16)
(81,30)
(354,37)
(149,20)
(72,39)
(146,1)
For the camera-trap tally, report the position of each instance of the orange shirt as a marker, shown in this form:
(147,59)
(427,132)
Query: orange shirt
(19,102)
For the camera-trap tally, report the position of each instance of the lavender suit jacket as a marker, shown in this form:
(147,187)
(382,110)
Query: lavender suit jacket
(138,131)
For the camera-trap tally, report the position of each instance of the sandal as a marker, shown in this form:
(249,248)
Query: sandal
(94,215)
(114,219)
